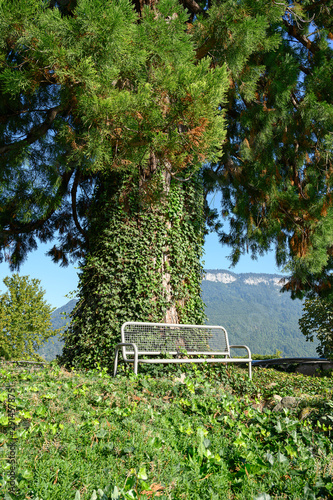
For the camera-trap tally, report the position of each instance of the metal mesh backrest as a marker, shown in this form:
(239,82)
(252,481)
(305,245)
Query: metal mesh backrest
(156,338)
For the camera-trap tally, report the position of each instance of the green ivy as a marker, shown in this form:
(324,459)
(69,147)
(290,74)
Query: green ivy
(122,278)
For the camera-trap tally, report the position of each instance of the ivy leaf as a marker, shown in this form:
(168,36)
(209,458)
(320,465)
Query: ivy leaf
(142,474)
(3,396)
(206,443)
(278,427)
(282,459)
(115,494)
(269,457)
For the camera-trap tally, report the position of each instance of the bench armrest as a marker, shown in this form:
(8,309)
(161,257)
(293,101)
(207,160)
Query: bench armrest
(242,347)
(248,355)
(128,344)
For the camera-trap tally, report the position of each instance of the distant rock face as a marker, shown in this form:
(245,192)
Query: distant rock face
(221,277)
(257,281)
(254,279)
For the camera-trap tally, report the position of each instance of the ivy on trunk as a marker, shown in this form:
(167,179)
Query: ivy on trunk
(144,264)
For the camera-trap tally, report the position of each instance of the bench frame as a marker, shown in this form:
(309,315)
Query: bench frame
(124,346)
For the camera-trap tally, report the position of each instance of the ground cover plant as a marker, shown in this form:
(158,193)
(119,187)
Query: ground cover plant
(201,432)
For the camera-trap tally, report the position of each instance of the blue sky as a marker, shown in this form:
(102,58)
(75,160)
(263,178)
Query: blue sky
(59,281)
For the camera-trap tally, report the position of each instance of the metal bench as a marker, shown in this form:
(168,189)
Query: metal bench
(177,342)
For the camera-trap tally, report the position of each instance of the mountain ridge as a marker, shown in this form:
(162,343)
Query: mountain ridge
(224,276)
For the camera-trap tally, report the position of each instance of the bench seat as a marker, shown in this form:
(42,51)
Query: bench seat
(202,342)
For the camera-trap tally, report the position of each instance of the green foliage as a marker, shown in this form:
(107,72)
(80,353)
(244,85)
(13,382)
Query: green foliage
(206,433)
(277,355)
(317,322)
(25,318)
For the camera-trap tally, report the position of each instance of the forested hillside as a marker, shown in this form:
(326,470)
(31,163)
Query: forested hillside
(60,318)
(255,313)
(249,306)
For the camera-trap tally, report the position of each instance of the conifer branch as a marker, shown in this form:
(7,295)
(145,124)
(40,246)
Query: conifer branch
(294,100)
(36,132)
(305,70)
(19,228)
(205,48)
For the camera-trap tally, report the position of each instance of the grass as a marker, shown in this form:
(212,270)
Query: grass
(210,435)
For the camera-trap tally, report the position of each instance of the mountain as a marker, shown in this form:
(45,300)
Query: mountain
(250,307)
(254,312)
(60,318)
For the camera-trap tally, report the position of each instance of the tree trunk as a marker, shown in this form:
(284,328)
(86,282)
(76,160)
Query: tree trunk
(144,262)
(171,314)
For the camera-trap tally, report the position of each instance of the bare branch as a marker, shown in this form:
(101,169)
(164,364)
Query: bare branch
(18,228)
(74,211)
(292,31)
(294,100)
(36,132)
(192,6)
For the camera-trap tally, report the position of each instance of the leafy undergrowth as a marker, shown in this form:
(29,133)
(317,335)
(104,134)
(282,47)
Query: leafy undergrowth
(173,432)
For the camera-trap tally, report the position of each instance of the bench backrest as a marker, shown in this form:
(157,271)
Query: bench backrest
(157,338)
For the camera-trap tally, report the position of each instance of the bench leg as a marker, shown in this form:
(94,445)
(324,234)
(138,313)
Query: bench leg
(115,361)
(250,370)
(136,356)
(136,364)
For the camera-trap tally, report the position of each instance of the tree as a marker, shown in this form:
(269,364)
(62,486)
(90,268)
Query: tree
(117,116)
(276,171)
(25,318)
(112,118)
(317,321)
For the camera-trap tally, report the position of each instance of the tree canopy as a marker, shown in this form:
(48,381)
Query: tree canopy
(25,318)
(317,322)
(88,86)
(276,171)
(92,93)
